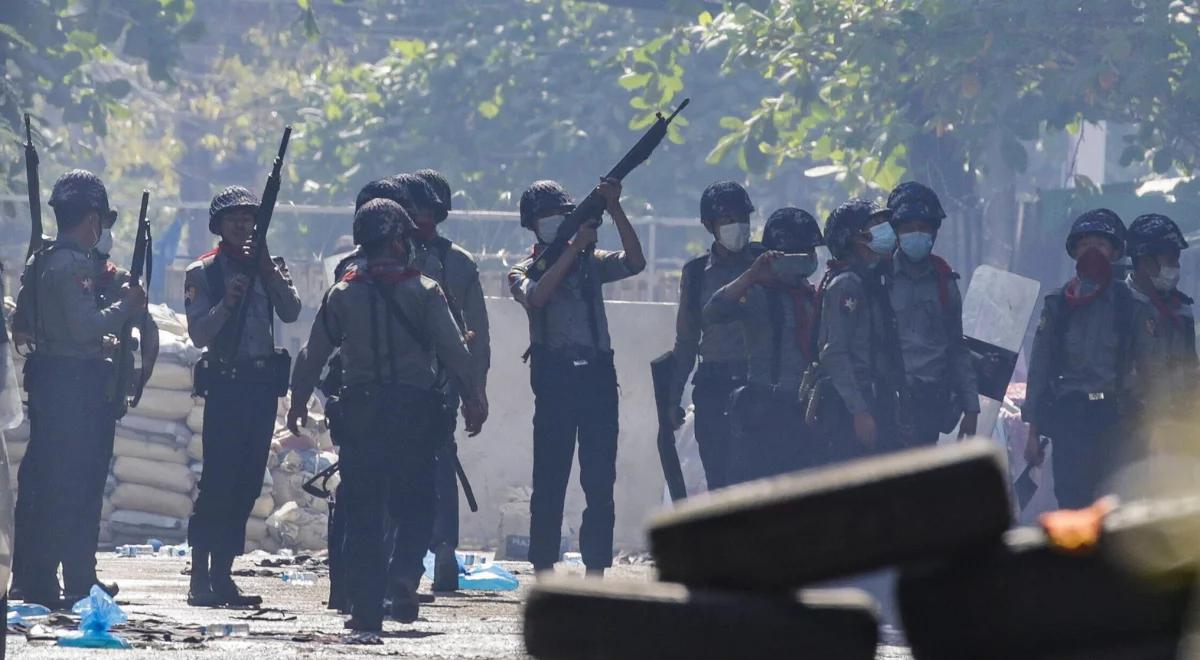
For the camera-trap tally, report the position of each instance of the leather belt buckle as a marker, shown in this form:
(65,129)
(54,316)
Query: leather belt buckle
(579,363)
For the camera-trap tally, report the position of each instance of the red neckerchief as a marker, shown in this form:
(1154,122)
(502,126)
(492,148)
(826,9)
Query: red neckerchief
(1167,308)
(389,272)
(1075,299)
(805,293)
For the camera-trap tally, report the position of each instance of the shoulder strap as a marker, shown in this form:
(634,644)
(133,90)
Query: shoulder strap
(398,312)
(441,246)
(214,276)
(591,291)
(693,276)
(775,313)
(1123,322)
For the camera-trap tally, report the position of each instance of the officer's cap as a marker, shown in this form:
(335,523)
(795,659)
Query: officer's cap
(790,228)
(722,199)
(78,191)
(422,194)
(914,201)
(847,220)
(542,198)
(385,188)
(232,197)
(380,219)
(1154,233)
(440,186)
(1098,221)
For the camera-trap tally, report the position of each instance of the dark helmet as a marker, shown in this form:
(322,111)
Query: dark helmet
(386,188)
(380,219)
(232,197)
(543,197)
(845,221)
(77,192)
(724,198)
(422,194)
(1154,233)
(1098,221)
(440,186)
(915,201)
(791,228)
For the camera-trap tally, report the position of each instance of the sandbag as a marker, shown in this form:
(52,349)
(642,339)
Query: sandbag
(195,419)
(569,619)
(151,451)
(1023,598)
(167,476)
(136,497)
(195,447)
(263,506)
(18,434)
(170,375)
(256,529)
(106,509)
(167,320)
(16,450)
(155,430)
(787,531)
(143,519)
(164,404)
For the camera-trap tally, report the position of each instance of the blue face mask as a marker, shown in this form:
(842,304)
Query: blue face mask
(883,239)
(916,245)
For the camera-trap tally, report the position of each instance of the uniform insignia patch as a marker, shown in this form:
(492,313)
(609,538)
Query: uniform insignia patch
(850,303)
(1042,321)
(1151,327)
(85,283)
(189,294)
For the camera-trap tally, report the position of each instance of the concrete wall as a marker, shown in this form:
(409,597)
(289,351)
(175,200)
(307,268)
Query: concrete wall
(499,460)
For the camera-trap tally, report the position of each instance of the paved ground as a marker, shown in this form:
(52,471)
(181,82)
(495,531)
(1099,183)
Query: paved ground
(478,625)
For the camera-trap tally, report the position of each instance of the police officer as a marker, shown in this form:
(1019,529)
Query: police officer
(1080,366)
(72,420)
(572,374)
(392,326)
(1166,362)
(777,308)
(725,210)
(454,269)
(244,378)
(940,383)
(858,351)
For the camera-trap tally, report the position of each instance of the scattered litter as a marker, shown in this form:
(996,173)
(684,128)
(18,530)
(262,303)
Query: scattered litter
(634,559)
(482,574)
(268,614)
(27,614)
(98,614)
(226,630)
(572,559)
(300,578)
(182,550)
(365,638)
(139,550)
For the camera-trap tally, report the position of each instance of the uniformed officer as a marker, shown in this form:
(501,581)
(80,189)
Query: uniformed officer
(1167,363)
(392,326)
(72,420)
(1080,366)
(454,269)
(858,350)
(572,374)
(244,378)
(940,383)
(776,307)
(725,210)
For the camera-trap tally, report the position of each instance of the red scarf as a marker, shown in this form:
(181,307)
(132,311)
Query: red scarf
(1093,266)
(801,296)
(1167,307)
(389,272)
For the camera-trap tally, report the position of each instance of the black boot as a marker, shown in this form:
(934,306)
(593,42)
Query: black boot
(404,607)
(223,587)
(445,569)
(200,593)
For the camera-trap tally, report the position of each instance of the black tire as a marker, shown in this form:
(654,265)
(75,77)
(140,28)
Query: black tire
(1026,599)
(788,531)
(599,619)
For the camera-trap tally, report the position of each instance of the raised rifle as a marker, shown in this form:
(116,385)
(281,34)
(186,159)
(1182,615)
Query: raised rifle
(126,393)
(35,198)
(591,209)
(262,222)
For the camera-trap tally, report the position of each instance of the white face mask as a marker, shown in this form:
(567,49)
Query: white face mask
(1167,278)
(104,244)
(547,228)
(734,236)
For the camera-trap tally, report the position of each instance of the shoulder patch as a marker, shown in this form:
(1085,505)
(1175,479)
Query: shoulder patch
(1151,326)
(849,303)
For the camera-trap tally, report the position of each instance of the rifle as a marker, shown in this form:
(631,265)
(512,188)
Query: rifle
(262,222)
(591,209)
(125,394)
(321,492)
(661,369)
(35,198)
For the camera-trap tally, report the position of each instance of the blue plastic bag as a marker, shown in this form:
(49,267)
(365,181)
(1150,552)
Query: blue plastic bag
(98,614)
(26,613)
(481,577)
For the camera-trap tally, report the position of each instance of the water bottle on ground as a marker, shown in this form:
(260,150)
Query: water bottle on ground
(226,630)
(137,550)
(300,578)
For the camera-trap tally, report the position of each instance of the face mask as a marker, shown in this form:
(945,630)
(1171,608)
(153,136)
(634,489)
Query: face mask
(883,239)
(104,244)
(734,236)
(547,228)
(1167,278)
(1094,269)
(916,245)
(794,267)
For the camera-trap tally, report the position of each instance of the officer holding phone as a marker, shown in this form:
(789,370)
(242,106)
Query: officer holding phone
(776,306)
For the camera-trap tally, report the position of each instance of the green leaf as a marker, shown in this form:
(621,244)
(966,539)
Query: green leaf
(489,109)
(705,18)
(11,33)
(719,152)
(633,80)
(732,124)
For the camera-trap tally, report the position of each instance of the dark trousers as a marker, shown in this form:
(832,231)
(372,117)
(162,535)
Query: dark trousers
(836,426)
(928,409)
(711,389)
(445,518)
(386,473)
(61,479)
(769,435)
(239,419)
(573,403)
(338,598)
(1086,439)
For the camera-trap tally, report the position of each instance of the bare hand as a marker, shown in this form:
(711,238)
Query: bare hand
(610,190)
(134,296)
(760,270)
(864,429)
(1035,453)
(297,416)
(584,238)
(236,289)
(474,415)
(968,426)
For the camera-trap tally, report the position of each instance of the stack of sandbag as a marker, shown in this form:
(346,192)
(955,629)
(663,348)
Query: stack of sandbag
(740,567)
(257,537)
(153,482)
(299,520)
